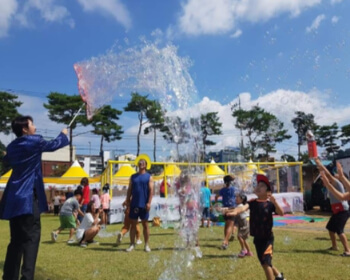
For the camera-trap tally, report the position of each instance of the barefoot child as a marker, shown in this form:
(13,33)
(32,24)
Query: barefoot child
(261,223)
(126,227)
(105,201)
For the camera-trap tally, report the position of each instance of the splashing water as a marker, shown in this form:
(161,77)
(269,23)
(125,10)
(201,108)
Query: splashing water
(287,240)
(147,68)
(104,234)
(153,261)
(159,71)
(216,211)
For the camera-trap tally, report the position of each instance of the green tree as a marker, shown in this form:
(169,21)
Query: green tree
(326,136)
(304,157)
(140,104)
(3,167)
(155,117)
(8,105)
(248,121)
(345,134)
(60,170)
(104,124)
(302,123)
(263,129)
(207,125)
(272,135)
(175,131)
(62,108)
(288,158)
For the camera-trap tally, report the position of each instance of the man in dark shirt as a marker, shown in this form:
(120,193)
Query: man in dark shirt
(139,198)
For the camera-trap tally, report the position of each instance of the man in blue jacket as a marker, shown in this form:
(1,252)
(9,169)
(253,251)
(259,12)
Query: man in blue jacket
(24,196)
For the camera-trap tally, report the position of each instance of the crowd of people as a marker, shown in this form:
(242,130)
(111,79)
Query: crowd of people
(84,214)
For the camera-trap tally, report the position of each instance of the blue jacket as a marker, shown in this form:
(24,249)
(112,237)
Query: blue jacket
(24,156)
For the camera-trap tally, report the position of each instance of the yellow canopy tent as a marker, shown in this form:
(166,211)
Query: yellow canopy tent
(7,174)
(246,175)
(72,176)
(75,171)
(213,170)
(171,170)
(122,176)
(213,174)
(4,178)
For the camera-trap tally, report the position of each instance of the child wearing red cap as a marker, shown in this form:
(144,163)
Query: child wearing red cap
(261,223)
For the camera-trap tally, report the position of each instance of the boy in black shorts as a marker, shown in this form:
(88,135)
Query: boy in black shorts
(261,223)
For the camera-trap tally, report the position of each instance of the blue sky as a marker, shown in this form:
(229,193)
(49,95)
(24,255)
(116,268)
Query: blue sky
(283,55)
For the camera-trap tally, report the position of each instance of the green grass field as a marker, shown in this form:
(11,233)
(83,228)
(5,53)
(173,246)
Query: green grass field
(300,254)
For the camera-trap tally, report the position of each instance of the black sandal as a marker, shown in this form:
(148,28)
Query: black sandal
(345,255)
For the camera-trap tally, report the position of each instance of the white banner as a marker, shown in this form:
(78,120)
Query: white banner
(165,208)
(168,208)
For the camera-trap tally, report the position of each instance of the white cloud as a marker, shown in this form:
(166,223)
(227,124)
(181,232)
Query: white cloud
(110,7)
(48,10)
(282,103)
(221,16)
(53,11)
(335,19)
(7,11)
(237,34)
(207,17)
(316,23)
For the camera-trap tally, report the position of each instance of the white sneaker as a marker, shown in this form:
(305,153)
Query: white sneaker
(53,236)
(139,241)
(147,249)
(71,241)
(131,248)
(119,238)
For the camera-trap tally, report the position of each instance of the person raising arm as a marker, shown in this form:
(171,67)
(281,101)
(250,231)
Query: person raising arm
(339,195)
(341,177)
(340,208)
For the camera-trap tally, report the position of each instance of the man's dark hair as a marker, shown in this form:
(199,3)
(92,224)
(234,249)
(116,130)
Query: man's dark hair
(244,198)
(89,207)
(228,179)
(19,123)
(105,188)
(78,192)
(84,181)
